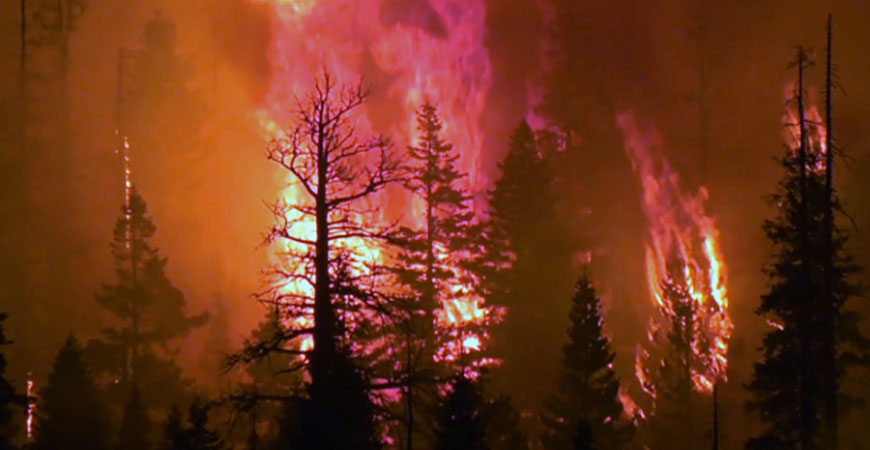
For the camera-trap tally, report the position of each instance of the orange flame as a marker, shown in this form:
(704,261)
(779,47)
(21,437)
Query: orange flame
(683,248)
(814,127)
(427,51)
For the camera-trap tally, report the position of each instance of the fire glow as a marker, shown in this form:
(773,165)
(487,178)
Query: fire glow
(682,250)
(433,53)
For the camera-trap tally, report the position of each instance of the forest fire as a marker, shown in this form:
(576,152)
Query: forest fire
(482,224)
(426,55)
(686,273)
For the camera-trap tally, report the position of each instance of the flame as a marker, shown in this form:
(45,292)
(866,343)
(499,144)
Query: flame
(814,126)
(31,406)
(423,51)
(682,251)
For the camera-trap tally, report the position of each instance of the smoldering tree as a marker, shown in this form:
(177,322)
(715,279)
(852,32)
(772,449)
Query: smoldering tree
(324,287)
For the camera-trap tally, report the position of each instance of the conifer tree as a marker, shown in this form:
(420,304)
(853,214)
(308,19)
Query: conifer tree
(460,424)
(71,415)
(679,419)
(162,112)
(435,181)
(810,284)
(526,269)
(148,311)
(588,390)
(504,429)
(10,400)
(135,424)
(173,437)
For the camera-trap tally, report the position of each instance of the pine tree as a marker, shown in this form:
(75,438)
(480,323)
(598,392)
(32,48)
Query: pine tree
(810,285)
(446,228)
(678,420)
(135,424)
(159,94)
(588,386)
(461,423)
(173,437)
(10,400)
(71,415)
(526,269)
(148,310)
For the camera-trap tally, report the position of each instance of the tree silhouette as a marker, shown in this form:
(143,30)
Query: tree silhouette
(423,264)
(588,387)
(503,425)
(194,435)
(72,414)
(461,423)
(325,288)
(810,284)
(526,269)
(147,308)
(135,424)
(10,400)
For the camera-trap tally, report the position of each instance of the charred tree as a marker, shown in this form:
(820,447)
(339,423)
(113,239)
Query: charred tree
(324,288)
(71,403)
(588,389)
(810,284)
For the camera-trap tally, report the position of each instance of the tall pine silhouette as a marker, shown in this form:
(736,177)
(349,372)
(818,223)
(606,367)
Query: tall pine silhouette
(810,279)
(588,389)
(435,181)
(148,312)
(527,268)
(71,414)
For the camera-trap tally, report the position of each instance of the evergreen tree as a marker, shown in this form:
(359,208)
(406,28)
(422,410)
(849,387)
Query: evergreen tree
(588,387)
(503,427)
(148,310)
(10,400)
(72,415)
(526,269)
(135,424)
(173,436)
(680,410)
(810,285)
(162,113)
(461,423)
(435,180)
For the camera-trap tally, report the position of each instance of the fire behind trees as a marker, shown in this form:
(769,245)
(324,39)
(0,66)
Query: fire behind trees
(341,331)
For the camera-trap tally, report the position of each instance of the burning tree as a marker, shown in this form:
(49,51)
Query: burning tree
(329,286)
(814,339)
(690,329)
